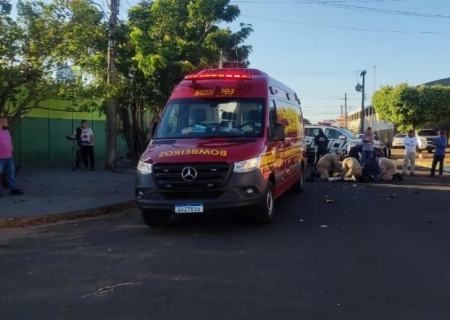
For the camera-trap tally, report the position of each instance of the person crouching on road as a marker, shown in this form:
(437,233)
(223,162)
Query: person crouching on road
(371,169)
(321,142)
(389,170)
(351,169)
(329,162)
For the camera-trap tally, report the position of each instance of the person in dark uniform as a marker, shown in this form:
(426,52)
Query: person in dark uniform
(321,145)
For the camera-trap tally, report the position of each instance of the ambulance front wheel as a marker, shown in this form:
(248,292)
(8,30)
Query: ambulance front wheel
(155,219)
(265,211)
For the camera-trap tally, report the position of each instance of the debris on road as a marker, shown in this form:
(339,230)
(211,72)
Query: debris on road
(324,226)
(330,201)
(102,291)
(428,221)
(394,195)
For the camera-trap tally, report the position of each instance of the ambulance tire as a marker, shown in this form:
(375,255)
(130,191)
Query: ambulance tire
(298,186)
(265,211)
(155,219)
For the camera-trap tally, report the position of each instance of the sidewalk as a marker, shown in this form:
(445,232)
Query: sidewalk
(427,159)
(55,189)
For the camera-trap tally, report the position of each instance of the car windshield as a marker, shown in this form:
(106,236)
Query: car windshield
(212,118)
(348,133)
(428,132)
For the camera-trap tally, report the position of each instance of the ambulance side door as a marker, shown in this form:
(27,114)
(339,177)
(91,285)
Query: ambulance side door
(276,147)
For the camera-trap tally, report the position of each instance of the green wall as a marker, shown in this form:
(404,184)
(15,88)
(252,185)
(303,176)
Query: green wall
(40,136)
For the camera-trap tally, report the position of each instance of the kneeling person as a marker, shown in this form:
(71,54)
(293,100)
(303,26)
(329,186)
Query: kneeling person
(328,162)
(389,170)
(371,169)
(351,168)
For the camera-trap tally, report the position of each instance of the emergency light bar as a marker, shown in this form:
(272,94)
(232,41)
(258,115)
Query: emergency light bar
(218,76)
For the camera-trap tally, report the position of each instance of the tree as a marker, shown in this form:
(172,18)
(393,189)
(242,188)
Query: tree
(306,121)
(33,47)
(411,107)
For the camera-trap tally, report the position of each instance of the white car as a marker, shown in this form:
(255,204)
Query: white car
(398,141)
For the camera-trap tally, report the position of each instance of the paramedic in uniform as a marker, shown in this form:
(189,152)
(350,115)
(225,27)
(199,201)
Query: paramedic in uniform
(388,169)
(329,162)
(351,169)
(321,145)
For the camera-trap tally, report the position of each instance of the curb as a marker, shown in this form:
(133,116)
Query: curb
(428,165)
(74,215)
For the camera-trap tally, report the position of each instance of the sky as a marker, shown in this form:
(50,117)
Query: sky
(319,48)
(315,47)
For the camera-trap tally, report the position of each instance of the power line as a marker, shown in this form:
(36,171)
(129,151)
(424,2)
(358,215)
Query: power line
(376,10)
(341,5)
(346,28)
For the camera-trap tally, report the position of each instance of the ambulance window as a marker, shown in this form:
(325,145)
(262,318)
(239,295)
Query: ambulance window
(272,114)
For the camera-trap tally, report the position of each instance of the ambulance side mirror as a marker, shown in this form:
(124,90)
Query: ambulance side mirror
(278,132)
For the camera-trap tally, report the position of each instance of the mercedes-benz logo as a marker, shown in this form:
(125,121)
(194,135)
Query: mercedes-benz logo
(189,174)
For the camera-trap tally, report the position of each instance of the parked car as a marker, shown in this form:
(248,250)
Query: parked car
(428,136)
(398,141)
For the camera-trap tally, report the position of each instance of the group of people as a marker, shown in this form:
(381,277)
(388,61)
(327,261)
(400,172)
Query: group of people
(83,135)
(370,167)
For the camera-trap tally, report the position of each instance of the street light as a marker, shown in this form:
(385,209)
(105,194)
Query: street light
(361,88)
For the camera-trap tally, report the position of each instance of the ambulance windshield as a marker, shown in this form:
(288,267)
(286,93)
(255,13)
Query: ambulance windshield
(211,118)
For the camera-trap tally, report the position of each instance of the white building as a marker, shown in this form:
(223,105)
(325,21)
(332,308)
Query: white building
(64,73)
(385,130)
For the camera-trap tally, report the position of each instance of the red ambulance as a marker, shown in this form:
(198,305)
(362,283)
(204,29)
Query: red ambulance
(229,140)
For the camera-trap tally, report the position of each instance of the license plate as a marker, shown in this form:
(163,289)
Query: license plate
(189,208)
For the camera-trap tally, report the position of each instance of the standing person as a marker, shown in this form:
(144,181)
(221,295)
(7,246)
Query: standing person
(410,142)
(375,136)
(367,149)
(6,159)
(439,154)
(321,142)
(85,139)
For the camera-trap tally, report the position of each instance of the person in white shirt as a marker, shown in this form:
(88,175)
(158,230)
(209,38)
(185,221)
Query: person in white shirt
(85,139)
(410,153)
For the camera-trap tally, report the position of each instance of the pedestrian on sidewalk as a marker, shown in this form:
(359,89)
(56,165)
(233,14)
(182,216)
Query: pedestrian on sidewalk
(85,137)
(367,149)
(439,154)
(411,143)
(321,142)
(6,159)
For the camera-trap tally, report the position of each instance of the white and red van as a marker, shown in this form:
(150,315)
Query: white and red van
(228,140)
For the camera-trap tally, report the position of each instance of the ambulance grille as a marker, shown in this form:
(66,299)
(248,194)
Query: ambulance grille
(207,175)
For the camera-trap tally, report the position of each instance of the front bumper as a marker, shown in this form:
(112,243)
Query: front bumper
(233,194)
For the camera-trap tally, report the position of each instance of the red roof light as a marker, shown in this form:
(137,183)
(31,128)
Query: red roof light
(218,76)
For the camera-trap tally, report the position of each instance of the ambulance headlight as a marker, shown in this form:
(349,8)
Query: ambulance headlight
(247,165)
(144,168)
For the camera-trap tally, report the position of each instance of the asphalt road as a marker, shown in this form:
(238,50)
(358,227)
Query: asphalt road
(377,258)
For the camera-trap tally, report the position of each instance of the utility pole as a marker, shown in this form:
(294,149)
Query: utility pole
(221,59)
(345,112)
(374,87)
(111,111)
(363,75)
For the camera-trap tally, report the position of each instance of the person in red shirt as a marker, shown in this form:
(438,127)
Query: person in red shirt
(6,159)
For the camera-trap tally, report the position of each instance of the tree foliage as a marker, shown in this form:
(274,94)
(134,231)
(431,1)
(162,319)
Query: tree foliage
(160,43)
(412,107)
(306,121)
(33,47)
